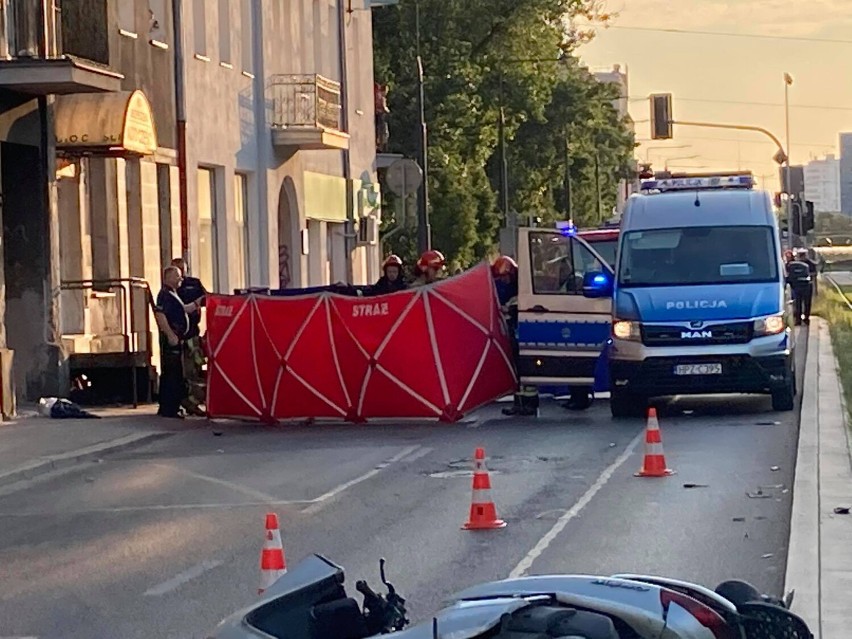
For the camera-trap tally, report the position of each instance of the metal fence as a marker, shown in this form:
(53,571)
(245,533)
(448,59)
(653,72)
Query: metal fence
(304,100)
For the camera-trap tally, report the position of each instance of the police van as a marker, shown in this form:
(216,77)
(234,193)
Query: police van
(564,316)
(700,303)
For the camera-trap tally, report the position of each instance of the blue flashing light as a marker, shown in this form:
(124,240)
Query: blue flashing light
(567,228)
(744,181)
(599,280)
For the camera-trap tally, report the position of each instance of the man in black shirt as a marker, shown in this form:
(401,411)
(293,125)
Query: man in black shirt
(801,273)
(191,291)
(173,322)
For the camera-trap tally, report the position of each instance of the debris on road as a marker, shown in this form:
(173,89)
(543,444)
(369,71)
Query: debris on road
(217,433)
(739,519)
(841,510)
(767,555)
(774,469)
(758,495)
(696,486)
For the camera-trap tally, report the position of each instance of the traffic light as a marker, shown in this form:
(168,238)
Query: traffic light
(661,116)
(796,218)
(809,218)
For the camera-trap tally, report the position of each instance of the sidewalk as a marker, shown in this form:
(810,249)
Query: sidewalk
(819,562)
(31,446)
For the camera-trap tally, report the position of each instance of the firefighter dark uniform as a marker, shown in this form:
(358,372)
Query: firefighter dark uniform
(505,271)
(391,280)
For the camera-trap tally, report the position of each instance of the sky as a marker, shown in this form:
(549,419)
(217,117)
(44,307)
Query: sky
(706,73)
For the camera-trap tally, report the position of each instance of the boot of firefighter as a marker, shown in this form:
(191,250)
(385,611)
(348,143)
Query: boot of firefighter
(515,409)
(529,402)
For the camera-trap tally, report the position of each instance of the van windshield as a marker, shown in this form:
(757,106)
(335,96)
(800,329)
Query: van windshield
(698,255)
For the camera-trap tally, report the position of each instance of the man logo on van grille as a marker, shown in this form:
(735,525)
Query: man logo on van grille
(696,324)
(696,334)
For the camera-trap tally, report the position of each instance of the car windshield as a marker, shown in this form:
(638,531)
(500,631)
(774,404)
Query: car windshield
(607,249)
(698,255)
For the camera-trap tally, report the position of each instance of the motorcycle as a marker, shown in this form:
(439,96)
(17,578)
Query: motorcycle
(310,602)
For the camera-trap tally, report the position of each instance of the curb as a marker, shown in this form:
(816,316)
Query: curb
(803,569)
(44,465)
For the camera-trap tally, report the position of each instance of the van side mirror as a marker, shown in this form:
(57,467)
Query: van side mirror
(597,285)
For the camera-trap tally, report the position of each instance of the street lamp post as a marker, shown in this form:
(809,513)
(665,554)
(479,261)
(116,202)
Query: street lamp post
(424,230)
(788,81)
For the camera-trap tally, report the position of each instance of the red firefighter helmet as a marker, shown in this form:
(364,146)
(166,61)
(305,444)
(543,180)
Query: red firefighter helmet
(504,265)
(431,259)
(392,260)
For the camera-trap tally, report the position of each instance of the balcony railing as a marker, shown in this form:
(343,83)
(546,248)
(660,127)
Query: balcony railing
(305,101)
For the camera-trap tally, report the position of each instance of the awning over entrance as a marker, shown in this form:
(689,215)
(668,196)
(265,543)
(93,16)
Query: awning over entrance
(105,124)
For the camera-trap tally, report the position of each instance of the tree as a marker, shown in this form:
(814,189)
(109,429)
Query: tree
(473,52)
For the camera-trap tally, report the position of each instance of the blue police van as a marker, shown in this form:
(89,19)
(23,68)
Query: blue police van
(699,297)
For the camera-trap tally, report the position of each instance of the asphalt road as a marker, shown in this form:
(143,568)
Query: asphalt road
(164,541)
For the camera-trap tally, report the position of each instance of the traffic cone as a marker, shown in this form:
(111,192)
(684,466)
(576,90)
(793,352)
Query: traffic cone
(654,464)
(483,513)
(272,561)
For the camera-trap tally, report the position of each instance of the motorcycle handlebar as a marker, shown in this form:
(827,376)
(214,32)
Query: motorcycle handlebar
(364,589)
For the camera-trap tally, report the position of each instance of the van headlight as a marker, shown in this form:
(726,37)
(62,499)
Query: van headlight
(771,325)
(622,329)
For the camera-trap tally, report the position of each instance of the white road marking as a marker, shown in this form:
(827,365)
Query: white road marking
(181,578)
(320,501)
(155,507)
(527,562)
(417,455)
(245,490)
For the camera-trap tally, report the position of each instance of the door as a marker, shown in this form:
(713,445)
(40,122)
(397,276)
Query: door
(561,332)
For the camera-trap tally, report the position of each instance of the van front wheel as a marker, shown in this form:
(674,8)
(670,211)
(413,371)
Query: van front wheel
(623,404)
(784,399)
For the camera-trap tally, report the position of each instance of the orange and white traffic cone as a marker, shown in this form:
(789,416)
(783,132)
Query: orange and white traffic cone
(483,512)
(654,464)
(272,561)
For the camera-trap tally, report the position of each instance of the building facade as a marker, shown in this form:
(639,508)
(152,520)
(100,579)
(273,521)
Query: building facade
(280,139)
(822,184)
(846,173)
(237,133)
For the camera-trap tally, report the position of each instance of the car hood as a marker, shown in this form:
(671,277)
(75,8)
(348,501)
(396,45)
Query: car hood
(705,303)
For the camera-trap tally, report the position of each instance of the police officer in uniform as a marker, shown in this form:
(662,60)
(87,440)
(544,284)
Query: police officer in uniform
(505,272)
(171,315)
(800,276)
(192,292)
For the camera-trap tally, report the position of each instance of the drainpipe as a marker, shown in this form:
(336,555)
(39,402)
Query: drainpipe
(180,109)
(348,235)
(264,153)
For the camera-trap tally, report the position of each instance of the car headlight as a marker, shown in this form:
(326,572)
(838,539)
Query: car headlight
(622,329)
(771,325)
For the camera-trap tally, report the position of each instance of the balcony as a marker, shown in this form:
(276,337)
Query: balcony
(32,59)
(306,113)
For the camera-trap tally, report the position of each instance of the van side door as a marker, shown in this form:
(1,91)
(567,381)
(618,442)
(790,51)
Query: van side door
(561,333)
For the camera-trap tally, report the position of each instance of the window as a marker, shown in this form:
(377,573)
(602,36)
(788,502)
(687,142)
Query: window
(199,24)
(225,32)
(157,16)
(127,18)
(558,264)
(207,240)
(607,249)
(247,35)
(241,217)
(699,255)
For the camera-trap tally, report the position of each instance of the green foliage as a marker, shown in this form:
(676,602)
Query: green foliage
(477,55)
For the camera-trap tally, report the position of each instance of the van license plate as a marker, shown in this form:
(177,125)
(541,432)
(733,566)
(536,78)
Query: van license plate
(698,369)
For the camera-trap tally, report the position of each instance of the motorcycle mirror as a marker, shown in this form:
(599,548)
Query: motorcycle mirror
(382,570)
(788,600)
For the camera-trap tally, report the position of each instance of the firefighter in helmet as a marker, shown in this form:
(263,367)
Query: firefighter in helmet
(391,280)
(429,268)
(505,272)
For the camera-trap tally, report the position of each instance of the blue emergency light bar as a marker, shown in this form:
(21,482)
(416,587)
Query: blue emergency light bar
(566,227)
(743,181)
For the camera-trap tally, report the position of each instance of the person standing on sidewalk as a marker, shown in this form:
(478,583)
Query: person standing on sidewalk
(191,292)
(173,322)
